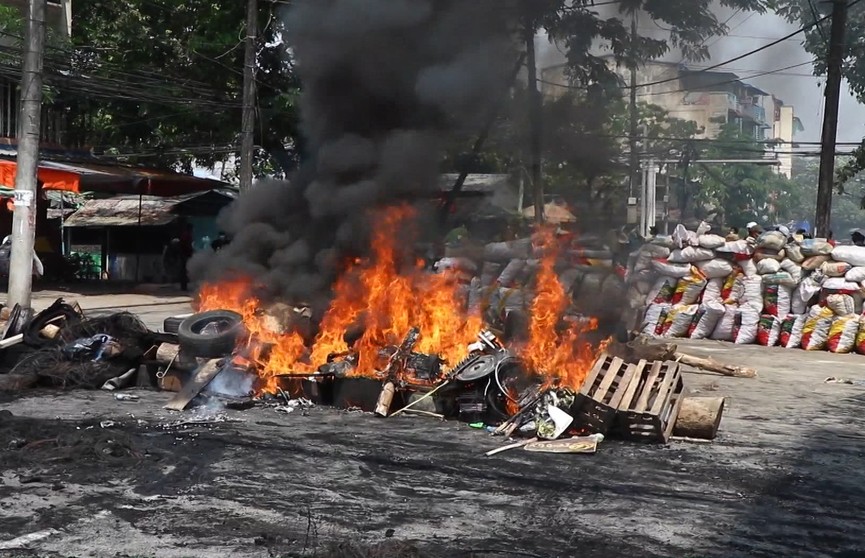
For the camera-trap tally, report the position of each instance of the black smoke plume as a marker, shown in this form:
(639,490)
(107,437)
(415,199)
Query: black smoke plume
(384,84)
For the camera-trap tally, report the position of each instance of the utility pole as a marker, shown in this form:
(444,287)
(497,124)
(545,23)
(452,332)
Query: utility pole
(27,161)
(535,115)
(634,165)
(830,119)
(247,143)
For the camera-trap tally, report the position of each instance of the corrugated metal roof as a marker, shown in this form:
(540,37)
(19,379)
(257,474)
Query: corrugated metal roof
(123,211)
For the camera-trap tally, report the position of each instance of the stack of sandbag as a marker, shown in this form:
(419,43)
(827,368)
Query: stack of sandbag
(768,290)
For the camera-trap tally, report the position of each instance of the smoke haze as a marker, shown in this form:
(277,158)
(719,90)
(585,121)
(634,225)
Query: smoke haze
(384,82)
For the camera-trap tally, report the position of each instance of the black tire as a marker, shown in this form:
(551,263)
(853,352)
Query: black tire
(172,324)
(210,345)
(59,313)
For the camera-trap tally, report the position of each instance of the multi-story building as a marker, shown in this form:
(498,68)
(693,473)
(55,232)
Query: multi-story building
(710,99)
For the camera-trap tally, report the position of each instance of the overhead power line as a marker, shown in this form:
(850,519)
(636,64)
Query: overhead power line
(799,31)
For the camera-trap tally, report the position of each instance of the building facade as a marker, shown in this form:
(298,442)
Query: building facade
(712,100)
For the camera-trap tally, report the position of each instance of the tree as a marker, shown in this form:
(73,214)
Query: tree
(806,13)
(162,80)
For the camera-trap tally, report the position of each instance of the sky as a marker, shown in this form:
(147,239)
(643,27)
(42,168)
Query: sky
(796,87)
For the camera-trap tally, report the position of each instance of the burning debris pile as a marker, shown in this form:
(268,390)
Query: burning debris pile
(398,338)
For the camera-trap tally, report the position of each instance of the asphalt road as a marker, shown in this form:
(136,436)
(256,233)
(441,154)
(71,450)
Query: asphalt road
(786,477)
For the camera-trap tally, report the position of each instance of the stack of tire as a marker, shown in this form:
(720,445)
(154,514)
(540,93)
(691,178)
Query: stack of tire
(770,290)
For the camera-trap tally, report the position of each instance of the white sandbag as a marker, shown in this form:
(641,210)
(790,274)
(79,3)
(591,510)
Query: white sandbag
(511,272)
(745,326)
(815,332)
(810,286)
(839,284)
(814,262)
(643,261)
(711,241)
(791,331)
(836,269)
(456,264)
(724,330)
(690,254)
(689,289)
(752,295)
(768,330)
(715,268)
(777,300)
(655,250)
(855,275)
(476,291)
(794,269)
(841,304)
(767,266)
(712,292)
(664,240)
(680,318)
(489,273)
(667,269)
(780,278)
(706,319)
(662,291)
(703,228)
(749,268)
(682,237)
(842,334)
(653,316)
(794,252)
(771,240)
(504,252)
(817,247)
(798,305)
(853,255)
(741,247)
(733,289)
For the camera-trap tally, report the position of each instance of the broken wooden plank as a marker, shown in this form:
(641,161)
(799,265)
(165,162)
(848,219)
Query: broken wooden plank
(711,365)
(199,380)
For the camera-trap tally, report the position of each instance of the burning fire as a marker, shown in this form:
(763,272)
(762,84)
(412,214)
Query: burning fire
(552,350)
(388,297)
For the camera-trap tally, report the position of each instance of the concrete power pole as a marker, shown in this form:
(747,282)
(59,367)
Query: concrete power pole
(535,116)
(830,119)
(27,164)
(247,144)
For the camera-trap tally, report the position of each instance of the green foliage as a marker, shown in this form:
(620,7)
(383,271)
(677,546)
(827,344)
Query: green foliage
(578,26)
(805,13)
(177,74)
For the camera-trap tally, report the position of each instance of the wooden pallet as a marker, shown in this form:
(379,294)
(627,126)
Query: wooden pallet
(601,394)
(650,405)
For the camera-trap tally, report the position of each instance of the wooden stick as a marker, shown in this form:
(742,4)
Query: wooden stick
(419,399)
(424,413)
(690,440)
(508,447)
(711,365)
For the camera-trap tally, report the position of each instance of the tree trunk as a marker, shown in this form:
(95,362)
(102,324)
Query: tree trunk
(699,417)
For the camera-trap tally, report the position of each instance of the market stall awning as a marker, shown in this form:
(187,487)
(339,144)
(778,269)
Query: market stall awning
(146,211)
(113,179)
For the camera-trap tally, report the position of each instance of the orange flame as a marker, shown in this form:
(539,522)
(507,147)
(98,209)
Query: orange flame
(555,350)
(385,296)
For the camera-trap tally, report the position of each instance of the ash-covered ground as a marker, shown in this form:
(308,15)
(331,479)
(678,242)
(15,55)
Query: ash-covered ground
(786,477)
